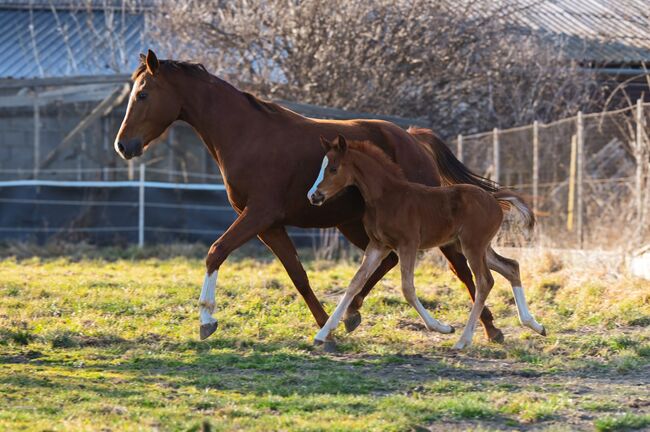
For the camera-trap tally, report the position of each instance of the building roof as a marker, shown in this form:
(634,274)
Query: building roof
(47,42)
(600,31)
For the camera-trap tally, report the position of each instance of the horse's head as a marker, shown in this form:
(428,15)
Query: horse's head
(153,106)
(334,174)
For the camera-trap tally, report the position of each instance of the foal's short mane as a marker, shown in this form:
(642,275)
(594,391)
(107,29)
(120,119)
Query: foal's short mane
(379,155)
(199,71)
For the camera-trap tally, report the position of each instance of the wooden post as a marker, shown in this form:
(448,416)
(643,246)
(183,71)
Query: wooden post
(141,208)
(639,160)
(459,147)
(131,166)
(572,184)
(37,135)
(579,177)
(495,154)
(535,166)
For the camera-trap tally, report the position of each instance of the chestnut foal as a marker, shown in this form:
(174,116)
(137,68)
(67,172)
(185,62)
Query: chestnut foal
(404,217)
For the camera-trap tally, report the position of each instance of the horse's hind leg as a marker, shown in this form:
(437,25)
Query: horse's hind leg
(484,283)
(458,265)
(407,258)
(509,269)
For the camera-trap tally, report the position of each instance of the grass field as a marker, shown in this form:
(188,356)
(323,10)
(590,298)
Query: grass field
(110,342)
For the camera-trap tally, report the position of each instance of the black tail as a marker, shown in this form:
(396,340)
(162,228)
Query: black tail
(451,169)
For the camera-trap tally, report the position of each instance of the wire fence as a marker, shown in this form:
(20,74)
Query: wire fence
(586,176)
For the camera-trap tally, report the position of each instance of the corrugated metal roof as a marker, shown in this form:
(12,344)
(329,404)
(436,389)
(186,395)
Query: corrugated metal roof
(37,43)
(604,31)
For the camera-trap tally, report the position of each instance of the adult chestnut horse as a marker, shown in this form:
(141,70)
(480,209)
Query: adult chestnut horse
(269,156)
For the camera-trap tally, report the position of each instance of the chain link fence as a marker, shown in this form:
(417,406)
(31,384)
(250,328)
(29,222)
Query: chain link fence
(586,176)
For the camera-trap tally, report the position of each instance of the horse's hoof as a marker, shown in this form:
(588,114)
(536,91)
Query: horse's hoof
(329,346)
(496,336)
(543,332)
(352,322)
(207,329)
(459,346)
(451,330)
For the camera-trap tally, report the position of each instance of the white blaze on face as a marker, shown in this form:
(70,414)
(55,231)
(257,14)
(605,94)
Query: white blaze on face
(319,178)
(128,111)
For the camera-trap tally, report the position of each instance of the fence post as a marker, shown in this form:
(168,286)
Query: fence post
(459,147)
(495,156)
(37,135)
(535,166)
(141,208)
(579,175)
(639,160)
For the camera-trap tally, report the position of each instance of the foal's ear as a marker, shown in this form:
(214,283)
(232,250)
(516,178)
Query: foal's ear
(152,62)
(325,143)
(342,144)
(143,58)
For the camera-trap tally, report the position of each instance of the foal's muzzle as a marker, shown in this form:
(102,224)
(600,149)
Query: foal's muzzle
(317,198)
(129,149)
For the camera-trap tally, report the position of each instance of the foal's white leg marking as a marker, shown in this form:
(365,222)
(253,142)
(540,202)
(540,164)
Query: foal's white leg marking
(207,299)
(429,321)
(468,333)
(525,317)
(319,179)
(371,261)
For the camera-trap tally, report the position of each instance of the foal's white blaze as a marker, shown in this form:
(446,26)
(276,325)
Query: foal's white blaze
(522,309)
(319,179)
(207,299)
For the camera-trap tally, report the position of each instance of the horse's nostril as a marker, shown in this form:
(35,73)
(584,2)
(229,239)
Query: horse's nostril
(120,147)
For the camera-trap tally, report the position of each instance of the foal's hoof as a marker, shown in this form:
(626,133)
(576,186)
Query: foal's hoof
(329,346)
(207,329)
(543,332)
(496,336)
(352,322)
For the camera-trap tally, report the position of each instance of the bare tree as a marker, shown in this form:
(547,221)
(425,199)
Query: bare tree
(458,64)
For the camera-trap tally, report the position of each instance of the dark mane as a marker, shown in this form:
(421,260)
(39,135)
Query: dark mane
(195,69)
(262,105)
(379,155)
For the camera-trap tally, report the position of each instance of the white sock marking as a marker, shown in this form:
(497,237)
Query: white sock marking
(319,179)
(207,300)
(522,309)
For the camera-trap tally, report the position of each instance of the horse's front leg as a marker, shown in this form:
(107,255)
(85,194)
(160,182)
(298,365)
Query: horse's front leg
(373,256)
(246,226)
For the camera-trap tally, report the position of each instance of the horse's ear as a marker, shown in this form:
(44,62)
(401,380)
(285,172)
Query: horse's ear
(342,144)
(152,62)
(325,143)
(143,58)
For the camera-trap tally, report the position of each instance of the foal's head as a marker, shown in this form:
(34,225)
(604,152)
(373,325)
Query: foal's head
(153,105)
(335,174)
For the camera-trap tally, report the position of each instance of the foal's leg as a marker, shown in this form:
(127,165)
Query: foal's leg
(484,283)
(279,242)
(509,269)
(372,258)
(356,234)
(247,225)
(407,257)
(458,265)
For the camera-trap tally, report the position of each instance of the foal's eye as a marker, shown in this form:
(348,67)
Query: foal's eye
(141,96)
(333,170)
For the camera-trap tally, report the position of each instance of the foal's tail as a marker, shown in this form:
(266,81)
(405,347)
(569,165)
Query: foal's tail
(451,169)
(508,198)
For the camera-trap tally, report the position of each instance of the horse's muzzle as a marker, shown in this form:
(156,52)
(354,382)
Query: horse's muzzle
(317,198)
(129,149)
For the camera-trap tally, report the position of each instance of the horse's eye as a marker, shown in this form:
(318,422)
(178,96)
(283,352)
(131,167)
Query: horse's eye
(333,170)
(141,96)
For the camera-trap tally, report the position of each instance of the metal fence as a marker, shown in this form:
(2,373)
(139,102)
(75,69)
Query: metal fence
(586,176)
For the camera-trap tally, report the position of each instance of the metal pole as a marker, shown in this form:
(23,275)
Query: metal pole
(495,155)
(639,159)
(37,135)
(579,175)
(535,166)
(141,208)
(459,147)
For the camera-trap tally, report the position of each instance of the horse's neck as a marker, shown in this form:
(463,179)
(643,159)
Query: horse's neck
(372,180)
(219,113)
